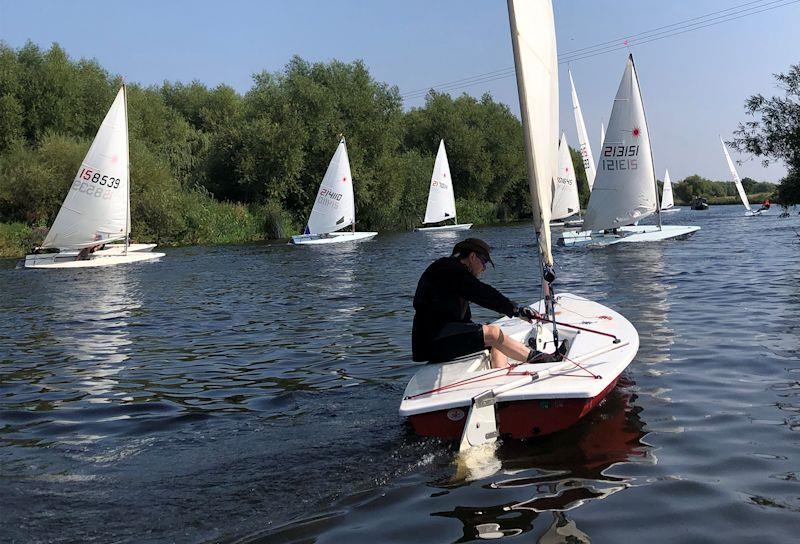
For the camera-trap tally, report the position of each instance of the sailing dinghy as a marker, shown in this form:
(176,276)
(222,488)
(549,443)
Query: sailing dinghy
(583,136)
(335,207)
(96,210)
(441,199)
(468,399)
(566,202)
(749,212)
(625,189)
(667,201)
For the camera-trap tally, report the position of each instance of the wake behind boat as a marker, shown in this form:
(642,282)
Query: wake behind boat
(467,398)
(441,197)
(625,189)
(334,208)
(96,210)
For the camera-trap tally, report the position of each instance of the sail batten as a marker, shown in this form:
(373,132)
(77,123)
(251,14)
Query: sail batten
(735,177)
(625,187)
(334,207)
(535,60)
(95,210)
(441,198)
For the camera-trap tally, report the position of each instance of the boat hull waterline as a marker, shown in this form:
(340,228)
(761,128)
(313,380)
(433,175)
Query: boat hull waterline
(331,238)
(445,228)
(627,235)
(437,400)
(59,260)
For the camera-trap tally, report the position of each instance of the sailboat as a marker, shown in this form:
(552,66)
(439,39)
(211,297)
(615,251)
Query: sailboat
(583,136)
(667,202)
(441,199)
(468,399)
(749,212)
(96,210)
(566,201)
(625,189)
(334,208)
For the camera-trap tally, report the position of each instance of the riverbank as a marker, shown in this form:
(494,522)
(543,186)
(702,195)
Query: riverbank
(756,198)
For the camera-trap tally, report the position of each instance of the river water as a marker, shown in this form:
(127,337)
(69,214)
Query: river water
(250,394)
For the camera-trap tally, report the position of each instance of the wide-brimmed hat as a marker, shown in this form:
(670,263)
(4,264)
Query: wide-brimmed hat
(475,245)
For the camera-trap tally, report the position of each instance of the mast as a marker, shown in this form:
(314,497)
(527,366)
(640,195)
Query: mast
(534,44)
(649,142)
(127,185)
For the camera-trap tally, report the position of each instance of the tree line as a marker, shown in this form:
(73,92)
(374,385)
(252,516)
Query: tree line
(212,165)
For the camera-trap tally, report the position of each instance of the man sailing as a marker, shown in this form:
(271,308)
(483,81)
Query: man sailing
(443,329)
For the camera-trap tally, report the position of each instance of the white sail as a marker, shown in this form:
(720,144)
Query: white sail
(441,200)
(602,134)
(96,208)
(565,185)
(624,189)
(735,176)
(335,206)
(667,201)
(535,58)
(583,136)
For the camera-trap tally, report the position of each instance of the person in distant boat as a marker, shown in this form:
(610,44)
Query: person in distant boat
(764,205)
(443,329)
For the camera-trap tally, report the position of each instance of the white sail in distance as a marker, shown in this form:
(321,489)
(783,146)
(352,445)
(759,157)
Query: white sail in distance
(667,201)
(441,199)
(602,134)
(625,189)
(583,136)
(735,177)
(96,208)
(334,208)
(535,58)
(566,201)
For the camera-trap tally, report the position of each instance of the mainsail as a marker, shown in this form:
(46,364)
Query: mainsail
(534,41)
(335,206)
(667,201)
(602,134)
(625,189)
(441,200)
(735,177)
(565,184)
(583,137)
(96,208)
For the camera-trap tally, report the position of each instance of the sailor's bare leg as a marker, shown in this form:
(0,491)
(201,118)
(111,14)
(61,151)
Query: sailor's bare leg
(503,347)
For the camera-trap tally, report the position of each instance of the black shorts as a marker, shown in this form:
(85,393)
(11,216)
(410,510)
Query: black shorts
(456,340)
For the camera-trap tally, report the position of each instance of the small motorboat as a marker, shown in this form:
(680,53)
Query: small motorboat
(700,203)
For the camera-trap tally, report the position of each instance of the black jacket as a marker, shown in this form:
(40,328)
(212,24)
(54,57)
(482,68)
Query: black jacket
(443,295)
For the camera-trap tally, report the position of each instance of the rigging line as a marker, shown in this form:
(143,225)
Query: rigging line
(679,23)
(615,41)
(676,32)
(602,49)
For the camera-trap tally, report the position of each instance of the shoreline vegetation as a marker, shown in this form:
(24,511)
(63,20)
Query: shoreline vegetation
(212,166)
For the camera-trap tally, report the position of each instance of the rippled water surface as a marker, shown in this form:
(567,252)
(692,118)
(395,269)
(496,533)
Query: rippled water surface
(250,393)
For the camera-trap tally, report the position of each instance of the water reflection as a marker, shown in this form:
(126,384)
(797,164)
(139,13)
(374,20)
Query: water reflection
(549,477)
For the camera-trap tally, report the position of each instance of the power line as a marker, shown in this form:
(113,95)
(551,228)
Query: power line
(681,27)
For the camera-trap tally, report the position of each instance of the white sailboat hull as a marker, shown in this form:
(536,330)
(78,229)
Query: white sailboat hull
(331,238)
(68,260)
(629,234)
(671,210)
(755,213)
(462,226)
(438,397)
(119,249)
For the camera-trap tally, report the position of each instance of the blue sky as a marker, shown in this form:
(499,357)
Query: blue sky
(694,84)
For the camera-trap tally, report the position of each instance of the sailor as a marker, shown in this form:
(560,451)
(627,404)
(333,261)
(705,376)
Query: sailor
(764,205)
(443,329)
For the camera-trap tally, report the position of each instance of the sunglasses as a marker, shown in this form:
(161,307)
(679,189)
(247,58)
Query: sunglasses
(483,259)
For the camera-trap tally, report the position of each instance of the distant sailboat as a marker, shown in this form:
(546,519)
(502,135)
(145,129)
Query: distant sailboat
(583,136)
(625,190)
(334,208)
(441,198)
(667,202)
(750,212)
(602,134)
(96,210)
(566,201)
